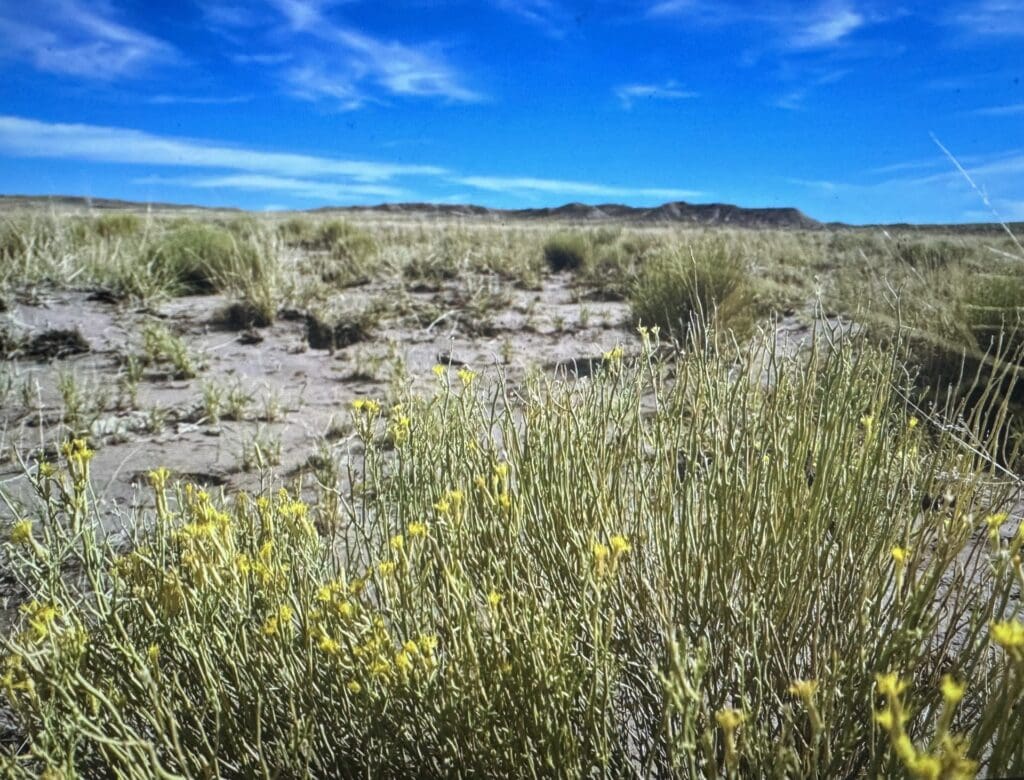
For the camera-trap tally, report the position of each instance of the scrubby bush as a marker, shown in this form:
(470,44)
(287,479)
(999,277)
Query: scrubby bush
(295,231)
(197,258)
(118,225)
(566,252)
(930,253)
(703,283)
(736,579)
(344,254)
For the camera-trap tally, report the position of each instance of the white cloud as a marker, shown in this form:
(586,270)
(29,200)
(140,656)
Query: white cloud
(219,166)
(991,18)
(30,138)
(307,189)
(1007,110)
(348,58)
(630,93)
(549,16)
(561,187)
(828,26)
(794,26)
(80,39)
(197,100)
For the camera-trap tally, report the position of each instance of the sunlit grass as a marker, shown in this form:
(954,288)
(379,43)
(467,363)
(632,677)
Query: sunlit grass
(669,568)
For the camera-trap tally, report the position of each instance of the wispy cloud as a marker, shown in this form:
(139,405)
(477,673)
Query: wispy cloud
(547,15)
(306,189)
(30,138)
(75,38)
(197,100)
(794,99)
(628,94)
(212,165)
(562,187)
(1008,110)
(991,18)
(794,26)
(348,59)
(828,25)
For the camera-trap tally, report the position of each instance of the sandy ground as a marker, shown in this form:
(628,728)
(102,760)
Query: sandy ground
(299,396)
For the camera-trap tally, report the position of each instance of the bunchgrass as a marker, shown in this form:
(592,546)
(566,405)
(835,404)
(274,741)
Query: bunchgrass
(718,565)
(706,280)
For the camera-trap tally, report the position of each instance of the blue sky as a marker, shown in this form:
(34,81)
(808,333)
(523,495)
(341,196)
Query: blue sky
(836,107)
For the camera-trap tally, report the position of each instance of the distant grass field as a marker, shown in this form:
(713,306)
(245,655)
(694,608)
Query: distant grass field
(711,557)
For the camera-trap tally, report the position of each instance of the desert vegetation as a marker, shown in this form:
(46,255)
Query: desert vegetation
(376,495)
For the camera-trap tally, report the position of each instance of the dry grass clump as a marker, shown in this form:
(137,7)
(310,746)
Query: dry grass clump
(651,585)
(199,258)
(566,252)
(704,281)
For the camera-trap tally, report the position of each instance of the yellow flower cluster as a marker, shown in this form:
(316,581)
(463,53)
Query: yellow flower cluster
(399,425)
(366,406)
(949,760)
(606,557)
(279,623)
(1009,635)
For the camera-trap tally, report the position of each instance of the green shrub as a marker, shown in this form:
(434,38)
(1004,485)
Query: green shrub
(930,253)
(705,283)
(197,258)
(346,254)
(295,231)
(653,586)
(119,225)
(566,252)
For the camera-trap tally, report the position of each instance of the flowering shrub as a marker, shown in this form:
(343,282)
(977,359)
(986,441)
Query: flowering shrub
(634,573)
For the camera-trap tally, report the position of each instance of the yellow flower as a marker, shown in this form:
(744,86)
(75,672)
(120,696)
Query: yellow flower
(21,533)
(416,530)
(279,621)
(428,643)
(900,554)
(467,376)
(153,653)
(403,661)
(729,719)
(411,647)
(952,691)
(615,354)
(805,689)
(328,645)
(346,609)
(439,370)
(1008,634)
(367,406)
(868,422)
(77,450)
(397,542)
(158,478)
(994,522)
(46,469)
(620,545)
(600,553)
(354,688)
(380,667)
(494,599)
(912,423)
(925,767)
(443,506)
(890,684)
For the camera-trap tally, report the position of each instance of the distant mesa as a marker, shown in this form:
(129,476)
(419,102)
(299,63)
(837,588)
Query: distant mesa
(677,213)
(709,214)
